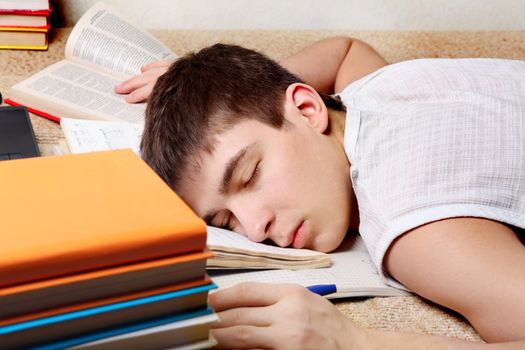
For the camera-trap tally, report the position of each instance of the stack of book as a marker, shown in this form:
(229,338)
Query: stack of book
(97,251)
(24,24)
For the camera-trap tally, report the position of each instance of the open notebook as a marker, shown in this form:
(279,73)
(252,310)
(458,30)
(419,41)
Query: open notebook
(92,135)
(352,272)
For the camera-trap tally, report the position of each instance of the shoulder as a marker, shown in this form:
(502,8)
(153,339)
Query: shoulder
(431,73)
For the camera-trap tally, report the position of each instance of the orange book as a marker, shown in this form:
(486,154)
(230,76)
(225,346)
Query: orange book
(81,212)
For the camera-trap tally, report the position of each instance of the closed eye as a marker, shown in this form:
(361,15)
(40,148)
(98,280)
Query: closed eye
(253,176)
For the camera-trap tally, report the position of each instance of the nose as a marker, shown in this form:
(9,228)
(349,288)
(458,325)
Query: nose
(255,220)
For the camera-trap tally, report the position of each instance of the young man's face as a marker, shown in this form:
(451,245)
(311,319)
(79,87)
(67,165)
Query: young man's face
(290,185)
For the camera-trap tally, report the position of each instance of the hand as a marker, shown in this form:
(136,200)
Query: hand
(139,87)
(279,316)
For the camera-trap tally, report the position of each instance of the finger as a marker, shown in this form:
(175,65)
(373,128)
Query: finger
(248,294)
(248,316)
(139,81)
(159,63)
(129,85)
(244,337)
(135,83)
(140,95)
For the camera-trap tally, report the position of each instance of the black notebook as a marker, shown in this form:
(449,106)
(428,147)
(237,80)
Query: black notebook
(17,139)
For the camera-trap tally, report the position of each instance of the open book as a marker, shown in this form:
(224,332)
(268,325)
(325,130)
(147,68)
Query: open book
(103,49)
(352,272)
(232,250)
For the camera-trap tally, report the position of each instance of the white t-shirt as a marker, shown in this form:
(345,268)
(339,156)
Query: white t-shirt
(431,139)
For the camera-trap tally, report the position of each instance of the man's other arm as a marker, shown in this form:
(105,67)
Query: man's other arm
(471,265)
(329,65)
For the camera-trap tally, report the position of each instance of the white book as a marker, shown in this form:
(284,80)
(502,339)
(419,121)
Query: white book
(32,5)
(189,334)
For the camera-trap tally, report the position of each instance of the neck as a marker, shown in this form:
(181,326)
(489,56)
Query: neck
(337,125)
(337,133)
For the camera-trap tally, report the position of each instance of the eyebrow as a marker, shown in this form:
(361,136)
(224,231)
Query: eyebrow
(230,168)
(227,177)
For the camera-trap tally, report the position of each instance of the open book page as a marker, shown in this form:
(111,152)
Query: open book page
(106,40)
(67,89)
(90,135)
(352,272)
(233,250)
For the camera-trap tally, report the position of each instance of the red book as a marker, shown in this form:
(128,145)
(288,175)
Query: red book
(24,24)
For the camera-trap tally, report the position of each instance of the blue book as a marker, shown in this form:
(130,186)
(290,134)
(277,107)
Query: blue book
(167,332)
(82,322)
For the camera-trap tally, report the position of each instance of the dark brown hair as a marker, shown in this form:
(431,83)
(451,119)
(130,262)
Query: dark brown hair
(203,94)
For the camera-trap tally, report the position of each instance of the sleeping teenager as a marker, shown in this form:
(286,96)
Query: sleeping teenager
(426,158)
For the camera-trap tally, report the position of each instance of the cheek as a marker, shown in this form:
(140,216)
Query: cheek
(284,171)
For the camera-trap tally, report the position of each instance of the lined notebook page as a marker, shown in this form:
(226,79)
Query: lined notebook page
(220,239)
(352,272)
(92,135)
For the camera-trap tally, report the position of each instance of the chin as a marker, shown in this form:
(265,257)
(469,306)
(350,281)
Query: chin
(330,241)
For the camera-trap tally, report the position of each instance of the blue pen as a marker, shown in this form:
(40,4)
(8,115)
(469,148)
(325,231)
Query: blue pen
(323,289)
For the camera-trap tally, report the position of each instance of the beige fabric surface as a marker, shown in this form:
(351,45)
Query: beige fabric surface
(393,313)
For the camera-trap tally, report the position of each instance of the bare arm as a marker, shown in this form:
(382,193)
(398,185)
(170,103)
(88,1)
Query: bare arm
(329,65)
(473,266)
(410,341)
(280,316)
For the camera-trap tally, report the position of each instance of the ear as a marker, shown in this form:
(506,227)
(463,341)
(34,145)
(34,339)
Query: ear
(306,102)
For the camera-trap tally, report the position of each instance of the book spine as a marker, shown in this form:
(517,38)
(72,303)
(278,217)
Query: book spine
(25,12)
(24,29)
(34,111)
(17,28)
(18,47)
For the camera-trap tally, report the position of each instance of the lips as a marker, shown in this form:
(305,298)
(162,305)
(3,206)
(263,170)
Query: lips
(299,236)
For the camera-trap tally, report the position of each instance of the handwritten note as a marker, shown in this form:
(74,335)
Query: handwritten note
(90,135)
